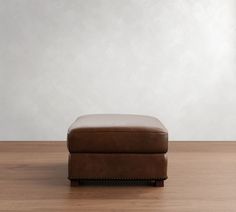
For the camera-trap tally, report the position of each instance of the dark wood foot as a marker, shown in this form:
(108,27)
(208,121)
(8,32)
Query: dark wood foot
(74,183)
(158,183)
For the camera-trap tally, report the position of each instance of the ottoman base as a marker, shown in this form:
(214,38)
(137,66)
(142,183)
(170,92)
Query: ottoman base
(117,166)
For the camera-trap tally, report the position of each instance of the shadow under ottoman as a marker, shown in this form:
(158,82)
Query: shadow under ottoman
(117,147)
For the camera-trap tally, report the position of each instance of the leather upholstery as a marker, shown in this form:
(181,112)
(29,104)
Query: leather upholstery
(117,147)
(117,133)
(117,166)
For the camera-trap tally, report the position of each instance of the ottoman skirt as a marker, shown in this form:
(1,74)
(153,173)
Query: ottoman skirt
(117,166)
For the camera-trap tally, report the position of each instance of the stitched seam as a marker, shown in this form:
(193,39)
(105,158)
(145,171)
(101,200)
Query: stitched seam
(114,131)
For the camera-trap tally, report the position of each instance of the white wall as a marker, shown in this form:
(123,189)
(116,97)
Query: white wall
(174,59)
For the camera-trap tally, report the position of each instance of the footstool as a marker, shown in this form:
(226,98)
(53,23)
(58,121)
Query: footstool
(117,147)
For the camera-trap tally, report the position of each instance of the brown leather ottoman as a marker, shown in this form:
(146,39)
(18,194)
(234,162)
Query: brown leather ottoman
(117,147)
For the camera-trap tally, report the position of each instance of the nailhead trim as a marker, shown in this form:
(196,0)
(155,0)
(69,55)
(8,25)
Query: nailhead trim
(128,179)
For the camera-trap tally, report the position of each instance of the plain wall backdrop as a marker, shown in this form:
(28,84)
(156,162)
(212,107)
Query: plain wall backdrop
(174,59)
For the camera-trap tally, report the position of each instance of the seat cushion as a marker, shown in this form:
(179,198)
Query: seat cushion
(117,133)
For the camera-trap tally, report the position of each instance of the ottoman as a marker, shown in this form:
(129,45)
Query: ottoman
(117,147)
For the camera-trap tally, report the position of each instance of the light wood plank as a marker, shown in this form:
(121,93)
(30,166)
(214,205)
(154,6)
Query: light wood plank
(202,177)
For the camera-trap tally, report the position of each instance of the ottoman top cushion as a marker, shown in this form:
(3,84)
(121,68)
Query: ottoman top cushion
(117,133)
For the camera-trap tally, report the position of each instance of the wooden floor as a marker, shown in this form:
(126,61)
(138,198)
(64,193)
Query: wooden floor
(202,177)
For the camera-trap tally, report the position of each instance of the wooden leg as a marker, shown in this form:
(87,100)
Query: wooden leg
(159,183)
(74,183)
